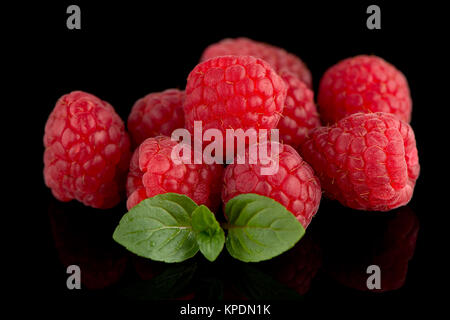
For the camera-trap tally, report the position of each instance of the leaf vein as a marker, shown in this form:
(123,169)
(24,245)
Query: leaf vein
(162,245)
(242,244)
(252,239)
(168,212)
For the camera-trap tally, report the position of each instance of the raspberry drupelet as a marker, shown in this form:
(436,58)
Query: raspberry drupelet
(299,114)
(234,92)
(363,84)
(158,113)
(278,58)
(87,151)
(153,171)
(294,185)
(365,161)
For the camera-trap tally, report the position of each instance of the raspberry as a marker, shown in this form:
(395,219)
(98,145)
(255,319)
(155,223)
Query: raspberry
(86,151)
(365,161)
(152,172)
(363,84)
(278,58)
(299,114)
(294,185)
(231,92)
(156,114)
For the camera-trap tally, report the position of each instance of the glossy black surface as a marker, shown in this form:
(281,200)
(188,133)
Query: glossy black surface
(335,253)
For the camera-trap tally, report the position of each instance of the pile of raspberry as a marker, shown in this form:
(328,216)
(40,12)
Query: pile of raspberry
(354,145)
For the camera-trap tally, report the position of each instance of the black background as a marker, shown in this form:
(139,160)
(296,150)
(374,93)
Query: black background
(126,50)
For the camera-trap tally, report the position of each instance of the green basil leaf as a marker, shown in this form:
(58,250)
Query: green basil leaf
(159,228)
(210,236)
(260,228)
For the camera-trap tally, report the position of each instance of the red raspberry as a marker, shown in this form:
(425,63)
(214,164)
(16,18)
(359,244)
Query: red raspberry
(152,172)
(278,58)
(234,92)
(156,114)
(365,161)
(294,185)
(87,151)
(363,84)
(299,114)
